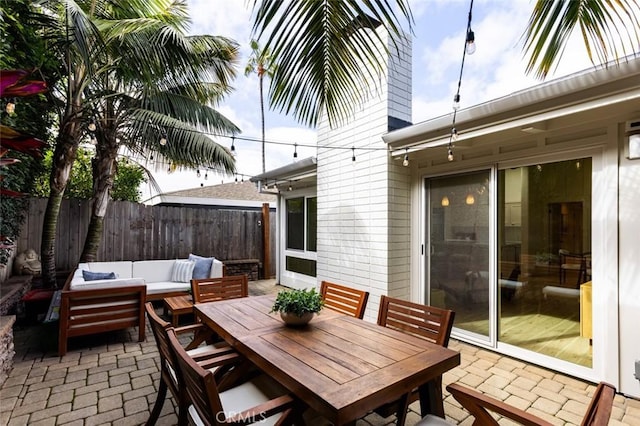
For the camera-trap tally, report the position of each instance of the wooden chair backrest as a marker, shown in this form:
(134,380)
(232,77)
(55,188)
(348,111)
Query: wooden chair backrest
(428,322)
(168,359)
(200,384)
(212,289)
(599,410)
(343,299)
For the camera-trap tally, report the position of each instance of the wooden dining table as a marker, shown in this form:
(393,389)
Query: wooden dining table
(342,367)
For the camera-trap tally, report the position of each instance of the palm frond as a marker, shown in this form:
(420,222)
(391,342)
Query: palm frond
(188,110)
(186,146)
(609,29)
(327,52)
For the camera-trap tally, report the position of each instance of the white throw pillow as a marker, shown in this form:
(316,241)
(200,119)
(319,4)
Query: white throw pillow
(182,271)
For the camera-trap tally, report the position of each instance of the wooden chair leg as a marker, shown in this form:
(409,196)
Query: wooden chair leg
(157,406)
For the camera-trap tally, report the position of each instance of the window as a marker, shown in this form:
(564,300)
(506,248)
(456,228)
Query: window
(301,237)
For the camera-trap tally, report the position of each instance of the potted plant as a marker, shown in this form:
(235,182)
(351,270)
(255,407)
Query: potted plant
(297,307)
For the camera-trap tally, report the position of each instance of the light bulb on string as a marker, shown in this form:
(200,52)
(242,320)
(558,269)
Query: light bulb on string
(290,187)
(198,172)
(10,108)
(163,138)
(206,175)
(405,161)
(236,178)
(454,134)
(353,153)
(471,43)
(456,101)
(233,144)
(295,150)
(450,153)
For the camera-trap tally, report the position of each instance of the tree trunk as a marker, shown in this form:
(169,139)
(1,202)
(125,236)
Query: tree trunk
(262,117)
(63,158)
(104,169)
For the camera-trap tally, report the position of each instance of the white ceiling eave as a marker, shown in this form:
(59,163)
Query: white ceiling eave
(575,93)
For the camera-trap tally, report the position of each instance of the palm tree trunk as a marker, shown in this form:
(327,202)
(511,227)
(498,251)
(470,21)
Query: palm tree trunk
(104,170)
(262,117)
(63,158)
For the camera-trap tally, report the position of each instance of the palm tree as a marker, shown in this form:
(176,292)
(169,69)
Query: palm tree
(78,46)
(90,60)
(610,29)
(157,88)
(260,62)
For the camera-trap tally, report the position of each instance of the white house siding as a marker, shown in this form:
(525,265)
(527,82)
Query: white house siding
(629,271)
(363,206)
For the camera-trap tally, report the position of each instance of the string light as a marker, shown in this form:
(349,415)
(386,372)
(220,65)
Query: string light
(471,42)
(469,48)
(353,153)
(405,161)
(233,144)
(10,108)
(163,138)
(295,150)
(290,187)
(206,175)
(198,172)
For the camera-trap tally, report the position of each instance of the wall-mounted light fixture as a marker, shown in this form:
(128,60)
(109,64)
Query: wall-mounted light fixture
(470,199)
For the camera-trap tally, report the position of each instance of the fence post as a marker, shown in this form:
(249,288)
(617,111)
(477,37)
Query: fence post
(266,242)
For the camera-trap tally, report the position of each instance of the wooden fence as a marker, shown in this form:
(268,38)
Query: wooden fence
(139,232)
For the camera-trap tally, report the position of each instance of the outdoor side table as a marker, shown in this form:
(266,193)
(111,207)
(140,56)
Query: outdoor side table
(178,305)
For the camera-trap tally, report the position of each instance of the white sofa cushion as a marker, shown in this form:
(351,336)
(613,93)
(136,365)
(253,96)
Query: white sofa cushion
(216,269)
(122,268)
(92,285)
(153,270)
(166,287)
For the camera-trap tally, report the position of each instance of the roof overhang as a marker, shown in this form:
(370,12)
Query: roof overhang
(297,175)
(528,110)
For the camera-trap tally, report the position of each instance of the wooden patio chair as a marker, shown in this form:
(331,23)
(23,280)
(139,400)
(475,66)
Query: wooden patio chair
(170,377)
(479,405)
(343,299)
(220,288)
(424,321)
(259,400)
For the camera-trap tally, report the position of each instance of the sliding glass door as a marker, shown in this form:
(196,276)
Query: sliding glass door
(458,237)
(544,259)
(529,287)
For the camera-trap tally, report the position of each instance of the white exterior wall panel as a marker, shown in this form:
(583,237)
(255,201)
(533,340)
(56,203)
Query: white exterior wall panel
(363,209)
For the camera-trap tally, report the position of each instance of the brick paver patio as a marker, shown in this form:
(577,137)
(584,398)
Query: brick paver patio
(113,380)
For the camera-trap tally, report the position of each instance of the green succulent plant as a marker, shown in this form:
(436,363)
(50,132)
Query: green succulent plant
(298,302)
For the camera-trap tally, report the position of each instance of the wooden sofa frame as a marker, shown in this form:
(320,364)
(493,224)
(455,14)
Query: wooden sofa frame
(85,312)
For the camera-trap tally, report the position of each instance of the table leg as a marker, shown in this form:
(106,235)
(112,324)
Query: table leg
(431,398)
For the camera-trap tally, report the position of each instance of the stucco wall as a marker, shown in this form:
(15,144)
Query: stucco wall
(363,205)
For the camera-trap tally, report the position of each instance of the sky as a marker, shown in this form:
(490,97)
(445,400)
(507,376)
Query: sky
(496,69)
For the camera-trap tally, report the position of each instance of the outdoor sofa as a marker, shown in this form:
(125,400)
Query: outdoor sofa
(106,296)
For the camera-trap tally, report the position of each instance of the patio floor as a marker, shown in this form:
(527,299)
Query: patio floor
(113,380)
